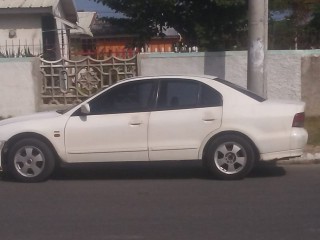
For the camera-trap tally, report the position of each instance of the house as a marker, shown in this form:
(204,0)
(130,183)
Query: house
(113,40)
(81,43)
(36,27)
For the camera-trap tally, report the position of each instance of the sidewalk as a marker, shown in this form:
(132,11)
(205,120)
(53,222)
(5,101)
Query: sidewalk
(311,156)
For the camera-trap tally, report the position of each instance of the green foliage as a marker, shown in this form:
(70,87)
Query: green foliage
(300,28)
(312,125)
(2,118)
(215,25)
(210,24)
(10,53)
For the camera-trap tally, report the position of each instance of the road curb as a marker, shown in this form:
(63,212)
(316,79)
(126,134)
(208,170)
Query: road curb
(306,158)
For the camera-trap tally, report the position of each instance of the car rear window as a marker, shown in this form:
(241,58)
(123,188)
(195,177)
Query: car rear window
(241,89)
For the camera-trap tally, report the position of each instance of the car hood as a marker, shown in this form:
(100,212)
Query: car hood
(36,116)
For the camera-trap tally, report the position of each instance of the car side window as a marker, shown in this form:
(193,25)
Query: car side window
(125,98)
(178,94)
(184,94)
(210,97)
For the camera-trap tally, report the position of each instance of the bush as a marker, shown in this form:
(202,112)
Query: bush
(313,127)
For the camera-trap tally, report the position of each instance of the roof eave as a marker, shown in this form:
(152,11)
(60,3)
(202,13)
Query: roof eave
(70,11)
(39,10)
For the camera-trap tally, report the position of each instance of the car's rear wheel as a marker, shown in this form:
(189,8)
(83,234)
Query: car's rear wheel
(30,160)
(229,157)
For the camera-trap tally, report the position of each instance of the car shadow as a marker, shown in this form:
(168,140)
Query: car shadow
(267,169)
(130,170)
(146,170)
(154,170)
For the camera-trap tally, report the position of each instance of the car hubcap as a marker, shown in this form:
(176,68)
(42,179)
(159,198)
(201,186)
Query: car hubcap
(230,158)
(29,161)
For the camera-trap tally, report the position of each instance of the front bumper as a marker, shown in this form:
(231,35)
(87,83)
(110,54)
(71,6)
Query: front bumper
(2,143)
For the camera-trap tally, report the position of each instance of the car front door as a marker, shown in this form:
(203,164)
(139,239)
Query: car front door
(187,111)
(116,129)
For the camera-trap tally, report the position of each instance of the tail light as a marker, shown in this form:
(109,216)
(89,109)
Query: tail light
(298,120)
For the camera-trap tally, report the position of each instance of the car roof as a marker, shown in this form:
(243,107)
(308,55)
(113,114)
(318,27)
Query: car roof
(236,87)
(208,77)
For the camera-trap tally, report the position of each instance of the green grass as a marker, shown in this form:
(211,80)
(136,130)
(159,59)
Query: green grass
(312,124)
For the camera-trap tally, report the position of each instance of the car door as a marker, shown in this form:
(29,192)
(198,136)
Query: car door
(116,129)
(187,111)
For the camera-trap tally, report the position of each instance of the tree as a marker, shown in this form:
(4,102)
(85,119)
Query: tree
(215,25)
(209,24)
(299,28)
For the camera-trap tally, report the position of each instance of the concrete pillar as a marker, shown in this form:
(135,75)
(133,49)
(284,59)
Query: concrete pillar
(258,38)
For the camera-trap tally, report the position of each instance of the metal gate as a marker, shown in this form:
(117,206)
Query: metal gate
(68,82)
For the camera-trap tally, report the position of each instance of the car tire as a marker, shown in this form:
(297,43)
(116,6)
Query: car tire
(229,157)
(31,160)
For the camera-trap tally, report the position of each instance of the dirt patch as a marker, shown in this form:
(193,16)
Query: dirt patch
(312,149)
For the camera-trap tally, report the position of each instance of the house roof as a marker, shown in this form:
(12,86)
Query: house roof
(19,6)
(86,20)
(27,3)
(101,28)
(170,32)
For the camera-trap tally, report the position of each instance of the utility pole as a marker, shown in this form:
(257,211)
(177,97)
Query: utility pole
(258,46)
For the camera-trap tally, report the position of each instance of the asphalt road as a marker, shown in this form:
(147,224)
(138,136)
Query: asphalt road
(163,201)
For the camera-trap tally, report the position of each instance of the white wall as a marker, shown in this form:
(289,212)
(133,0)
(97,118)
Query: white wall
(283,68)
(63,37)
(20,87)
(291,75)
(28,32)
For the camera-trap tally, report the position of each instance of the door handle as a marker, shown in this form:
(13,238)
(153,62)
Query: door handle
(135,123)
(208,119)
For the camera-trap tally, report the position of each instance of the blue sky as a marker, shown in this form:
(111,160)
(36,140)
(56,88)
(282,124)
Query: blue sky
(90,5)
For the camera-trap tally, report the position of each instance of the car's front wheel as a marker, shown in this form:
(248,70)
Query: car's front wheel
(229,157)
(30,160)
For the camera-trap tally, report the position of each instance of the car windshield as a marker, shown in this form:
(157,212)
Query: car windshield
(63,111)
(241,89)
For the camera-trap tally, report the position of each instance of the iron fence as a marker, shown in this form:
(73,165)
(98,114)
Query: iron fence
(67,82)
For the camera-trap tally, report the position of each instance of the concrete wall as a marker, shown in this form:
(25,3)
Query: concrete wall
(310,82)
(291,75)
(28,33)
(283,68)
(27,29)
(20,88)
(63,38)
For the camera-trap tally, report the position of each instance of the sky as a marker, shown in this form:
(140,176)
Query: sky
(90,5)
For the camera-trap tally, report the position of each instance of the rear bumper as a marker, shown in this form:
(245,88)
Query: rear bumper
(281,155)
(298,140)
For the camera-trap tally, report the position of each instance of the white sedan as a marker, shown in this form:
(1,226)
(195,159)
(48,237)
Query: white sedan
(157,119)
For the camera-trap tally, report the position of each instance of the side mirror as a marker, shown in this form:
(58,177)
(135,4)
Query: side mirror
(85,108)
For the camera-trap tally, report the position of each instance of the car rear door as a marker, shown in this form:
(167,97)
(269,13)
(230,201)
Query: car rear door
(186,112)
